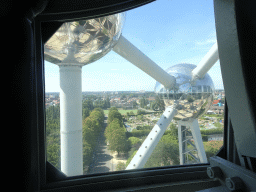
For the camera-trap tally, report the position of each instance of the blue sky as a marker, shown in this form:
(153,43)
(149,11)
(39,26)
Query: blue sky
(167,31)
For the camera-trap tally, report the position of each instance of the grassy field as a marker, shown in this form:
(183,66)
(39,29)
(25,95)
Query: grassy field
(123,112)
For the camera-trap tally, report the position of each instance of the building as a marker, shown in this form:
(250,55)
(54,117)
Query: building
(215,137)
(210,112)
(216,102)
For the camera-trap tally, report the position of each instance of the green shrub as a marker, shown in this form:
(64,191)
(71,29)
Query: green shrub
(120,166)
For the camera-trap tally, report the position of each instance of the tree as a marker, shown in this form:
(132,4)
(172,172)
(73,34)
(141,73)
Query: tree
(158,104)
(86,112)
(114,114)
(107,103)
(173,130)
(113,109)
(87,104)
(112,127)
(134,104)
(190,98)
(130,158)
(140,117)
(134,142)
(120,166)
(212,147)
(91,129)
(98,104)
(153,105)
(98,114)
(53,135)
(116,137)
(140,112)
(87,154)
(166,153)
(131,113)
(143,102)
(53,154)
(92,125)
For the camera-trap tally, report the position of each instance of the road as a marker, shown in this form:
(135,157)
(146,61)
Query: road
(103,159)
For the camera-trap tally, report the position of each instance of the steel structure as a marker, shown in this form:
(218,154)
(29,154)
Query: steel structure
(146,149)
(186,131)
(176,87)
(76,44)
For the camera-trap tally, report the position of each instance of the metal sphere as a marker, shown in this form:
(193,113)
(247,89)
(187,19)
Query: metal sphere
(85,41)
(194,99)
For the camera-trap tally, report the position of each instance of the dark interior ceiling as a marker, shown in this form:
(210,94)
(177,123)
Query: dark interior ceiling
(68,10)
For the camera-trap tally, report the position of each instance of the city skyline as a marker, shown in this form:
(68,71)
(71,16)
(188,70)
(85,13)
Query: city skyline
(183,35)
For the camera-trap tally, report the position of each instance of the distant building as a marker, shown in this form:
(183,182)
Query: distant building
(210,112)
(215,102)
(215,137)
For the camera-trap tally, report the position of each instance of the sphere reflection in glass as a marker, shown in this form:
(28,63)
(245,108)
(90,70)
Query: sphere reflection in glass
(85,41)
(194,99)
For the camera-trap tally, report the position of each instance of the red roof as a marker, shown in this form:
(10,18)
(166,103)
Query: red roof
(215,102)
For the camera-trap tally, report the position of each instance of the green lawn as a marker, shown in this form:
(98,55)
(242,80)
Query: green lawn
(123,112)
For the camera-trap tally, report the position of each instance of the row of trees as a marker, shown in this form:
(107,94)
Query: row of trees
(93,119)
(53,135)
(115,132)
(88,105)
(165,153)
(103,104)
(92,126)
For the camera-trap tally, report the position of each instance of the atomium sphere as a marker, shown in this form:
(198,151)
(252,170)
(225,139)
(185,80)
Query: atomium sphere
(194,99)
(85,41)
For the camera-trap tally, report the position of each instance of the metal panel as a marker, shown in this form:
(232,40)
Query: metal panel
(232,170)
(233,78)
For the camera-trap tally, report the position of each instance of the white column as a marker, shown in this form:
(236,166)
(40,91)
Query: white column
(148,146)
(71,120)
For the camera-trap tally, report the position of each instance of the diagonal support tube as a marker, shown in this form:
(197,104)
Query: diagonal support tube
(148,146)
(131,53)
(206,63)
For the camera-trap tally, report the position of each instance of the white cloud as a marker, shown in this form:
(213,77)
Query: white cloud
(205,42)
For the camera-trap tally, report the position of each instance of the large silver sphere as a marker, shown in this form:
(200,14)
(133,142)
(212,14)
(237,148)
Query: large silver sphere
(85,41)
(195,99)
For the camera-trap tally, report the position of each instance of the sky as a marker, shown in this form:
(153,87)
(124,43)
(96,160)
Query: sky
(169,32)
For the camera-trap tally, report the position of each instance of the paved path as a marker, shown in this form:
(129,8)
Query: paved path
(103,159)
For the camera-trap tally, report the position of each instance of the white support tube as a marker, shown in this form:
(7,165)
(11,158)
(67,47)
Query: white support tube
(71,120)
(131,53)
(206,63)
(147,147)
(198,140)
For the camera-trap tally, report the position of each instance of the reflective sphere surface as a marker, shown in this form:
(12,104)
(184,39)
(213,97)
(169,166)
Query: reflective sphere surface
(85,41)
(194,100)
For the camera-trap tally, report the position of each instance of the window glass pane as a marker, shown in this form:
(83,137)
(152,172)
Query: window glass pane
(102,117)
